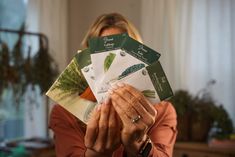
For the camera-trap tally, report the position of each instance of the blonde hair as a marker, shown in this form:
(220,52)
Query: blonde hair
(112,20)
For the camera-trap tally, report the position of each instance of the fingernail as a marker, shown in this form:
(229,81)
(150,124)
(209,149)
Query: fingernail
(114,86)
(107,99)
(98,107)
(120,84)
(110,91)
(101,101)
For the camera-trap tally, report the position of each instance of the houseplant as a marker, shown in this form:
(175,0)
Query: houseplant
(196,116)
(182,103)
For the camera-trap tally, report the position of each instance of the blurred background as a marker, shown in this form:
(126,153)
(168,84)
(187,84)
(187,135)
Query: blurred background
(196,39)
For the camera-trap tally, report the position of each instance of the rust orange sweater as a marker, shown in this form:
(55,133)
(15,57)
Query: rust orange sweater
(69,131)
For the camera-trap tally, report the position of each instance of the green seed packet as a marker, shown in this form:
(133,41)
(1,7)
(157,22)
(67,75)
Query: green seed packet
(87,70)
(151,81)
(84,61)
(70,86)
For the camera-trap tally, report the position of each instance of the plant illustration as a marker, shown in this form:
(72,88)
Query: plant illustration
(130,70)
(148,93)
(71,81)
(108,61)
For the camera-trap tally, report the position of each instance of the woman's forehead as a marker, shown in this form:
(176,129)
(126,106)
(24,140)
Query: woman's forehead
(111,31)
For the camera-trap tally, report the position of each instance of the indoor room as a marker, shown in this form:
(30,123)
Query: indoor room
(66,90)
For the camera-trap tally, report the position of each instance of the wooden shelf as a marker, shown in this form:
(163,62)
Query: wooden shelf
(190,149)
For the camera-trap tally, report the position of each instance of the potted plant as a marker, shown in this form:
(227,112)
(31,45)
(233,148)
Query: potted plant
(201,119)
(197,115)
(182,101)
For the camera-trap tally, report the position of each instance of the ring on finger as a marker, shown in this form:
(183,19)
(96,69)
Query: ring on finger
(136,119)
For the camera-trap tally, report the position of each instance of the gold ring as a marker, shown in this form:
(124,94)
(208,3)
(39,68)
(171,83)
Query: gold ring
(136,119)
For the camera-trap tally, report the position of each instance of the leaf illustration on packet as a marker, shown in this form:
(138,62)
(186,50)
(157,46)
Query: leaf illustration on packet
(71,81)
(128,71)
(108,61)
(149,93)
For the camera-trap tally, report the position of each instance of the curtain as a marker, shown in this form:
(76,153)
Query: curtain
(196,40)
(49,18)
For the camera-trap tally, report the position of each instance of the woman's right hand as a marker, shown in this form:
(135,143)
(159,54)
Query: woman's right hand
(137,115)
(103,131)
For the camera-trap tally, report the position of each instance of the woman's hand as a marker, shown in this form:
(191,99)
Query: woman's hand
(137,115)
(103,131)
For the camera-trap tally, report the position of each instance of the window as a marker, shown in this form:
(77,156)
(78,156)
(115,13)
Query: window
(11,116)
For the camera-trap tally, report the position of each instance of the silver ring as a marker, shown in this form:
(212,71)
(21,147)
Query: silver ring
(136,119)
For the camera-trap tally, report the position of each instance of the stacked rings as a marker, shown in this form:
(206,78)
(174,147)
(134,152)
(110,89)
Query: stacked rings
(136,119)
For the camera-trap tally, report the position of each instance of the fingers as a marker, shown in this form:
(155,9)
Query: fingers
(126,112)
(103,125)
(114,128)
(145,103)
(134,104)
(103,130)
(92,128)
(134,100)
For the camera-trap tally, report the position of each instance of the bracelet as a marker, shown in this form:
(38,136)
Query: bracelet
(145,148)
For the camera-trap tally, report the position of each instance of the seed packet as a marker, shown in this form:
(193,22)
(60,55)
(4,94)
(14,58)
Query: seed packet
(151,81)
(104,51)
(108,60)
(84,60)
(70,88)
(130,56)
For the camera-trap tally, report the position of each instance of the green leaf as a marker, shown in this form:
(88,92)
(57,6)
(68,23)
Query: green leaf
(149,93)
(71,81)
(108,61)
(131,69)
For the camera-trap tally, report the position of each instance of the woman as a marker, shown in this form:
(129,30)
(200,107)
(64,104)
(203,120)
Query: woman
(125,124)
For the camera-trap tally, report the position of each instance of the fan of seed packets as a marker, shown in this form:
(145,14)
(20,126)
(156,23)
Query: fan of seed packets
(107,61)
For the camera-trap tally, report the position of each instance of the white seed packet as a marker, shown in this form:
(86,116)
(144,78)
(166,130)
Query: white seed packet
(103,52)
(87,69)
(151,81)
(71,86)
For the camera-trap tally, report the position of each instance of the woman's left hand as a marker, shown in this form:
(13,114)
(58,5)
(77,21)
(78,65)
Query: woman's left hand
(102,136)
(137,115)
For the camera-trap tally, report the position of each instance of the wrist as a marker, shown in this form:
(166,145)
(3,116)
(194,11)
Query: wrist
(145,148)
(139,148)
(132,149)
